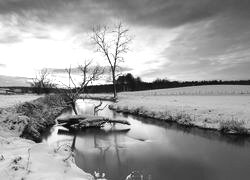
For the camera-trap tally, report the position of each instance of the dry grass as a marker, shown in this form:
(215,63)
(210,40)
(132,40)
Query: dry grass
(233,126)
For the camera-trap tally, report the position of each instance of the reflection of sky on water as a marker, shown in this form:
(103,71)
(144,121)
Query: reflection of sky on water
(55,138)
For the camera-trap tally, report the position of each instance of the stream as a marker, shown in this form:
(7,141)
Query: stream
(154,150)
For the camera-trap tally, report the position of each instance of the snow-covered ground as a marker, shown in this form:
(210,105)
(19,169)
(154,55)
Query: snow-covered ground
(10,100)
(23,159)
(196,90)
(203,106)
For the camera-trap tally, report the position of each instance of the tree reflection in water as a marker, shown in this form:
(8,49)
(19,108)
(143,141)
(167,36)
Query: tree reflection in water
(97,135)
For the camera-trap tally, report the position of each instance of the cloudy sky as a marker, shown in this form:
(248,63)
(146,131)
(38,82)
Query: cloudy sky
(174,39)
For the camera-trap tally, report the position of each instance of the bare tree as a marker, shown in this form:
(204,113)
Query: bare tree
(41,83)
(98,108)
(74,91)
(113,44)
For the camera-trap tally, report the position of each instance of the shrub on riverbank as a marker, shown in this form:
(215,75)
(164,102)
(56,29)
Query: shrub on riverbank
(181,118)
(184,118)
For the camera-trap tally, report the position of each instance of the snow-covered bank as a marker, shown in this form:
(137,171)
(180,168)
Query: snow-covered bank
(30,119)
(228,113)
(24,159)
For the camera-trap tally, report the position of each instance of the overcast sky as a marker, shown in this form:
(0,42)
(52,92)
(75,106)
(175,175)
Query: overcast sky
(174,39)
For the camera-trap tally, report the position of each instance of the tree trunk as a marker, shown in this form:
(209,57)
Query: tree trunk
(74,107)
(73,143)
(114,86)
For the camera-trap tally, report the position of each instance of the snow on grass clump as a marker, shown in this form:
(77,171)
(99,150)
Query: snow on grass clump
(233,127)
(180,117)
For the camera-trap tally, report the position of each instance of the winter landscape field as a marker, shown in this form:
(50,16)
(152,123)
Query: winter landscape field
(10,100)
(124,90)
(208,90)
(204,106)
(209,107)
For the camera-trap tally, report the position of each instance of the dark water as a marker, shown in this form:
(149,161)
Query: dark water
(156,150)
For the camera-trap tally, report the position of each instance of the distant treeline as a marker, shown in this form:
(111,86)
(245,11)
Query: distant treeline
(130,83)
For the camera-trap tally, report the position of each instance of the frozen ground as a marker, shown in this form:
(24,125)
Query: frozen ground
(212,90)
(10,100)
(23,159)
(203,106)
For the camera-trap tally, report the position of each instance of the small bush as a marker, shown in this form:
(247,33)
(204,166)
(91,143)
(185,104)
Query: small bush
(184,119)
(233,127)
(125,109)
(138,110)
(28,108)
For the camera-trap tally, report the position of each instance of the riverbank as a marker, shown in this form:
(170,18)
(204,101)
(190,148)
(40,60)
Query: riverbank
(227,112)
(30,119)
(99,96)
(24,159)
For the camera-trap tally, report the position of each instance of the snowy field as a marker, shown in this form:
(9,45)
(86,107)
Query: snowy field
(196,90)
(203,106)
(10,100)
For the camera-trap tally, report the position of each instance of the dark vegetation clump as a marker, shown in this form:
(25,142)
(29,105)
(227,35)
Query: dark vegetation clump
(41,114)
(184,119)
(233,127)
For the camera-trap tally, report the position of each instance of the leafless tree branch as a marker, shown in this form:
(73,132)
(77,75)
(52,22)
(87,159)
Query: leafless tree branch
(41,83)
(89,74)
(112,44)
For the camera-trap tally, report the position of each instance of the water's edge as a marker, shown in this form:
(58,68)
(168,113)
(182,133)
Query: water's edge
(92,145)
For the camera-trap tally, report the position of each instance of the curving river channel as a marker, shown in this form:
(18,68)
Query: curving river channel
(155,150)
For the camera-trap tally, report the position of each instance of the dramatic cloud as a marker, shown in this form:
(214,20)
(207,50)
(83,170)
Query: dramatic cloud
(76,71)
(9,39)
(13,81)
(168,13)
(184,40)
(215,49)
(63,71)
(60,13)
(172,13)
